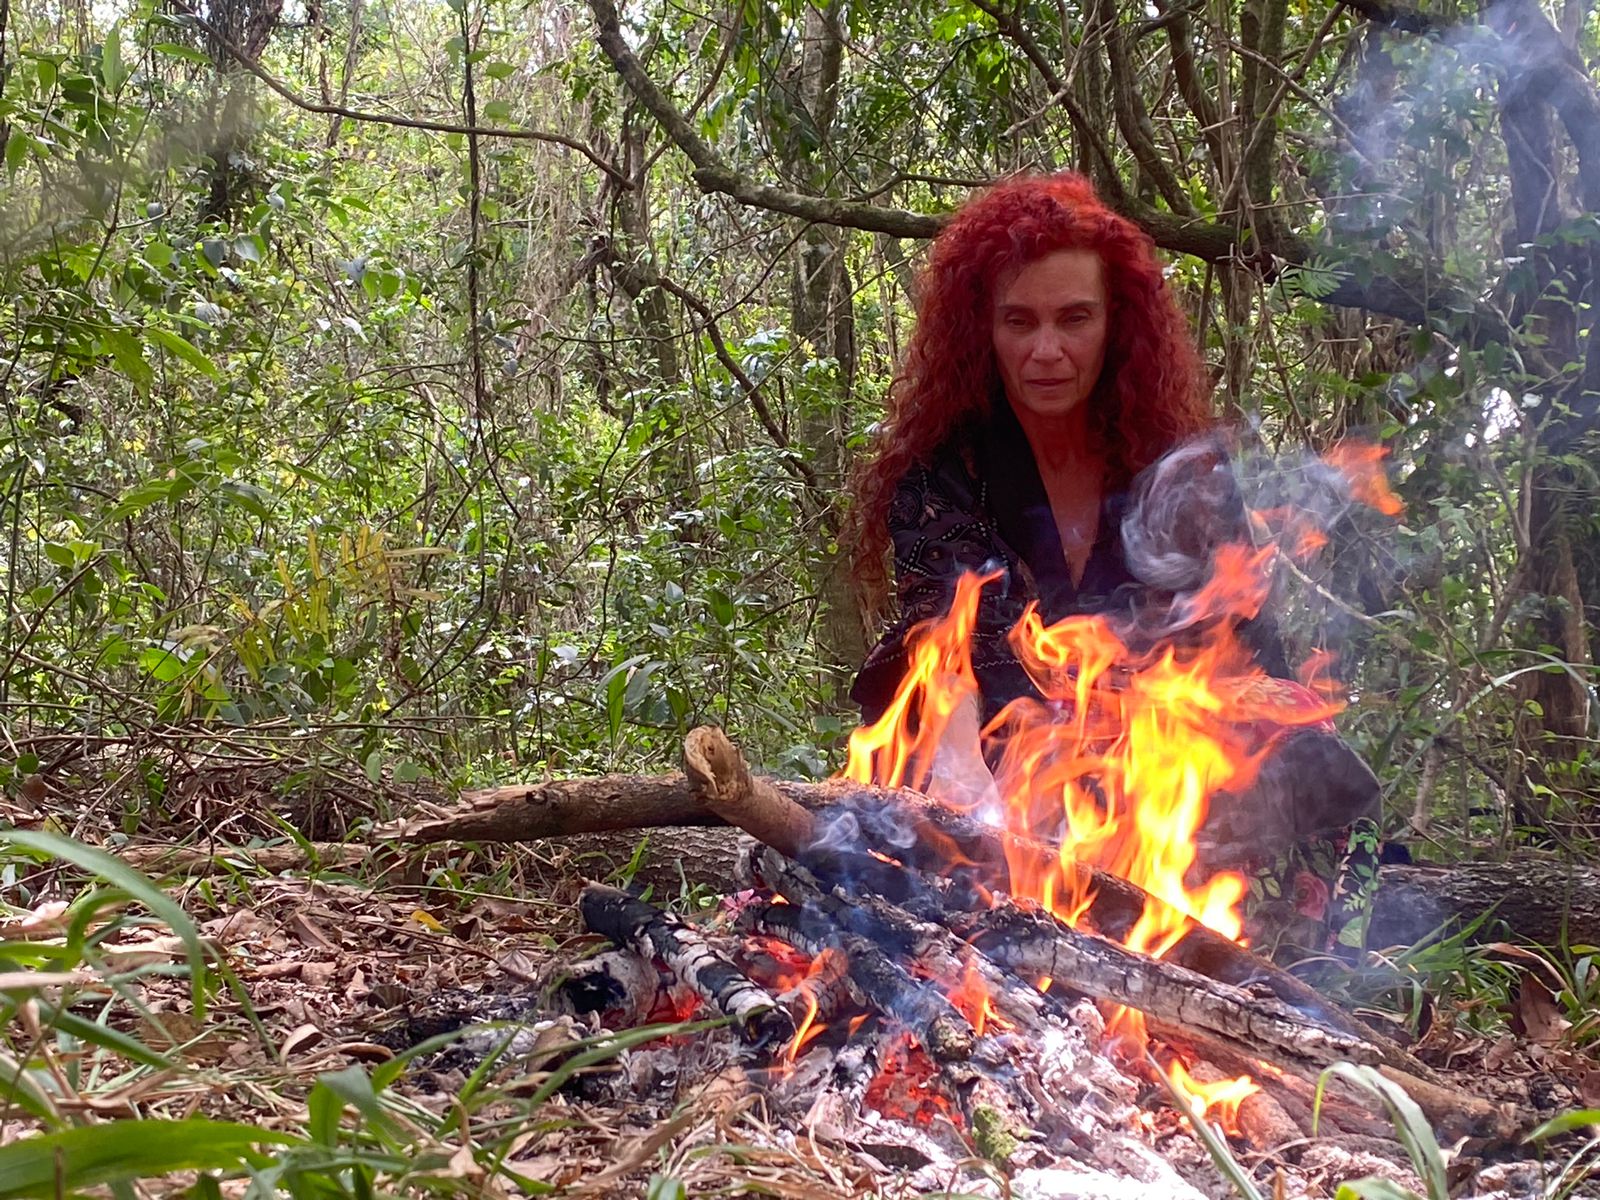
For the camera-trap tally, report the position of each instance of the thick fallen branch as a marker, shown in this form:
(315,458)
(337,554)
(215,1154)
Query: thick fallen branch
(1552,903)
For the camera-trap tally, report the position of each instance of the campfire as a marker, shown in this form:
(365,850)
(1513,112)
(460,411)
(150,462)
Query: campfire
(1005,941)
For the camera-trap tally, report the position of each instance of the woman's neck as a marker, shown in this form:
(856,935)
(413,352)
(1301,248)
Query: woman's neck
(1059,444)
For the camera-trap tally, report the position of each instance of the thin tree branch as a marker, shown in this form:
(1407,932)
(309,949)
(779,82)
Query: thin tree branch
(1133,119)
(711,174)
(352,114)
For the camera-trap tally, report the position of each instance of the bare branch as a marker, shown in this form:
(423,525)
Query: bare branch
(1133,119)
(713,175)
(251,65)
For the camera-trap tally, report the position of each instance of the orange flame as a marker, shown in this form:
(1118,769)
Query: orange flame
(1362,466)
(971,998)
(1225,1095)
(821,972)
(1121,758)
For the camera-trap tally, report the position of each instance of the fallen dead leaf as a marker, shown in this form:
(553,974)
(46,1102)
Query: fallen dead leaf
(1536,1015)
(308,932)
(366,1051)
(1499,1054)
(1589,1087)
(303,1035)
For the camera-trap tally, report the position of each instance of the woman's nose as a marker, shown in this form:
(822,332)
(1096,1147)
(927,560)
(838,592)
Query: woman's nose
(1049,346)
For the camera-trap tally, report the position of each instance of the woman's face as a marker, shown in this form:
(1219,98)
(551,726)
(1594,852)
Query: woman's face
(1050,321)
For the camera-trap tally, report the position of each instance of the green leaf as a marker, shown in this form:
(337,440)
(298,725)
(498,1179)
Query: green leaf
(181,347)
(497,110)
(498,70)
(113,71)
(255,501)
(128,356)
(17,147)
(161,664)
(187,53)
(1566,1123)
(120,1152)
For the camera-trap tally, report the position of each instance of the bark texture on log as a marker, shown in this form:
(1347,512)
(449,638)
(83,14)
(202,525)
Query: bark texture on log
(1542,901)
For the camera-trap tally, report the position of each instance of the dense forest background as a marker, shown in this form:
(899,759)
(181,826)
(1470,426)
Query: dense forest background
(465,391)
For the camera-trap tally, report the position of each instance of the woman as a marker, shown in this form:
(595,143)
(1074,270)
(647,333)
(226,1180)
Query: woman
(1050,367)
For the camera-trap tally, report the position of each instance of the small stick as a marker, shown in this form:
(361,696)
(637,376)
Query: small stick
(633,924)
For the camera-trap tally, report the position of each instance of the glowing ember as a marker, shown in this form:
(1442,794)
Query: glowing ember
(906,1086)
(1225,1095)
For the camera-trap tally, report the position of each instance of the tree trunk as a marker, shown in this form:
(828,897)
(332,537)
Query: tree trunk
(823,328)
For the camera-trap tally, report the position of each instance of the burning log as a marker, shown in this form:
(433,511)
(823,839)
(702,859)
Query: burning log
(824,991)
(881,981)
(633,924)
(1260,1118)
(930,837)
(1195,1006)
(941,953)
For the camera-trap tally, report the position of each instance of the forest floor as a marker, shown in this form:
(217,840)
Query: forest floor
(334,972)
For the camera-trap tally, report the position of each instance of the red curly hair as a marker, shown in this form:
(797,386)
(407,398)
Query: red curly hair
(1150,396)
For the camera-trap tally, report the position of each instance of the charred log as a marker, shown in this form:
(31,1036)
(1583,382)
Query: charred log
(633,924)
(621,986)
(881,982)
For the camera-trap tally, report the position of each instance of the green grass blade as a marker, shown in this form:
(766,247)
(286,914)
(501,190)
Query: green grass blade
(1410,1125)
(123,1151)
(114,871)
(19,1089)
(1373,1188)
(1566,1123)
(103,1036)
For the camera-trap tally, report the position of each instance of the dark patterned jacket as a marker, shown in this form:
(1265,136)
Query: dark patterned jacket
(981,505)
